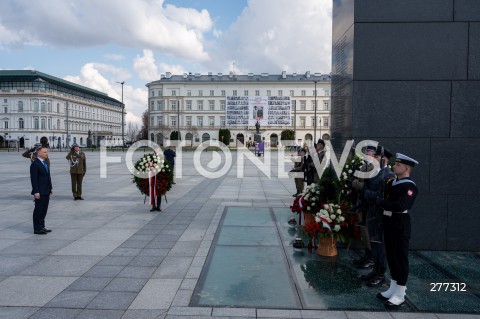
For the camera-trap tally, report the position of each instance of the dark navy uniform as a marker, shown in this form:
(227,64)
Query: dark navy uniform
(399,198)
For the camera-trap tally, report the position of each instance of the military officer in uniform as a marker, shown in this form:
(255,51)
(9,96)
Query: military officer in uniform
(32,153)
(400,194)
(78,168)
(374,214)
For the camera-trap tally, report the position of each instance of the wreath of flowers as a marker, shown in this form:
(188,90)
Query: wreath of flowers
(346,193)
(150,167)
(330,221)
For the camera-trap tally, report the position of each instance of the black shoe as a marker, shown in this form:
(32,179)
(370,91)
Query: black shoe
(47,230)
(391,306)
(153,209)
(367,264)
(381,297)
(369,276)
(376,281)
(75,198)
(39,232)
(360,260)
(159,209)
(80,198)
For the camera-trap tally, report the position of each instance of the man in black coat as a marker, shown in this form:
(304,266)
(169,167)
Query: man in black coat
(170,157)
(41,190)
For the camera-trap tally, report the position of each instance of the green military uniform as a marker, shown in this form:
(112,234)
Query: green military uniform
(32,154)
(78,168)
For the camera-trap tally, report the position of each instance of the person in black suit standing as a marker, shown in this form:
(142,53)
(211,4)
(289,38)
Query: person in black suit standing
(41,190)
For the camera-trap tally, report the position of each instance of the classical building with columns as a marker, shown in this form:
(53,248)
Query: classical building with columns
(196,106)
(34,108)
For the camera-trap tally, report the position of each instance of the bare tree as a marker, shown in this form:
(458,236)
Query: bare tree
(143,134)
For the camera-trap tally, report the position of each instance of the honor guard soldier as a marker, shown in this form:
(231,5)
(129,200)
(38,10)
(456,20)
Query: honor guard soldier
(374,187)
(78,168)
(32,153)
(400,194)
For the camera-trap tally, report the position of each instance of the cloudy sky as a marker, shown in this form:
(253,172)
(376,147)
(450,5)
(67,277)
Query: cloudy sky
(98,43)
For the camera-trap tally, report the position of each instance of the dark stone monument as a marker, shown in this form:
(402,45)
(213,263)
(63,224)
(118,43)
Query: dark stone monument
(407,74)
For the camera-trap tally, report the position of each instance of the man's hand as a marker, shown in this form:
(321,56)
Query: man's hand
(37,195)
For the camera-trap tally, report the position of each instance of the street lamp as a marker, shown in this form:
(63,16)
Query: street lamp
(178,119)
(315,115)
(123,107)
(68,135)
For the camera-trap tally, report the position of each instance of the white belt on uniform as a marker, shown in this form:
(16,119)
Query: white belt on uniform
(389,213)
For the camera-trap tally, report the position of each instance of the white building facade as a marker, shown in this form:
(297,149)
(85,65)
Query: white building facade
(195,105)
(34,108)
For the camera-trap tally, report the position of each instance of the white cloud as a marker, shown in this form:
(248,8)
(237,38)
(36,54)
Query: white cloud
(275,35)
(104,78)
(217,33)
(145,66)
(85,23)
(172,68)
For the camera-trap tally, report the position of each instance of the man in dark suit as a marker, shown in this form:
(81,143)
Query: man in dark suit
(41,190)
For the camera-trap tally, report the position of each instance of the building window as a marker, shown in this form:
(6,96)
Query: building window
(189,105)
(43,124)
(200,121)
(211,121)
(174,121)
(152,121)
(42,107)
(35,106)
(58,107)
(327,92)
(49,124)
(211,105)
(212,93)
(269,93)
(159,120)
(35,124)
(325,105)
(245,93)
(152,93)
(5,124)
(325,121)
(20,106)
(5,100)
(313,105)
(173,105)
(234,92)
(314,92)
(302,122)
(280,93)
(5,109)
(152,105)
(303,105)
(200,105)
(303,93)
(189,92)
(257,92)
(21,123)
(223,93)
(160,105)
(222,105)
(189,121)
(58,124)
(174,92)
(222,120)
(292,92)
(200,92)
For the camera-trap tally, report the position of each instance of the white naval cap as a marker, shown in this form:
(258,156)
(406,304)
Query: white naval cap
(404,159)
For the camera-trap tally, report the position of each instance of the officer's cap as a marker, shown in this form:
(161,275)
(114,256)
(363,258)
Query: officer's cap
(386,152)
(370,148)
(404,159)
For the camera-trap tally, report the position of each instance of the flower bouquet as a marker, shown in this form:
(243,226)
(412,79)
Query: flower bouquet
(307,204)
(328,227)
(153,176)
(346,190)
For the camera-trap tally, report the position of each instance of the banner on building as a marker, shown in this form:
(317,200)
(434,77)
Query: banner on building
(267,110)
